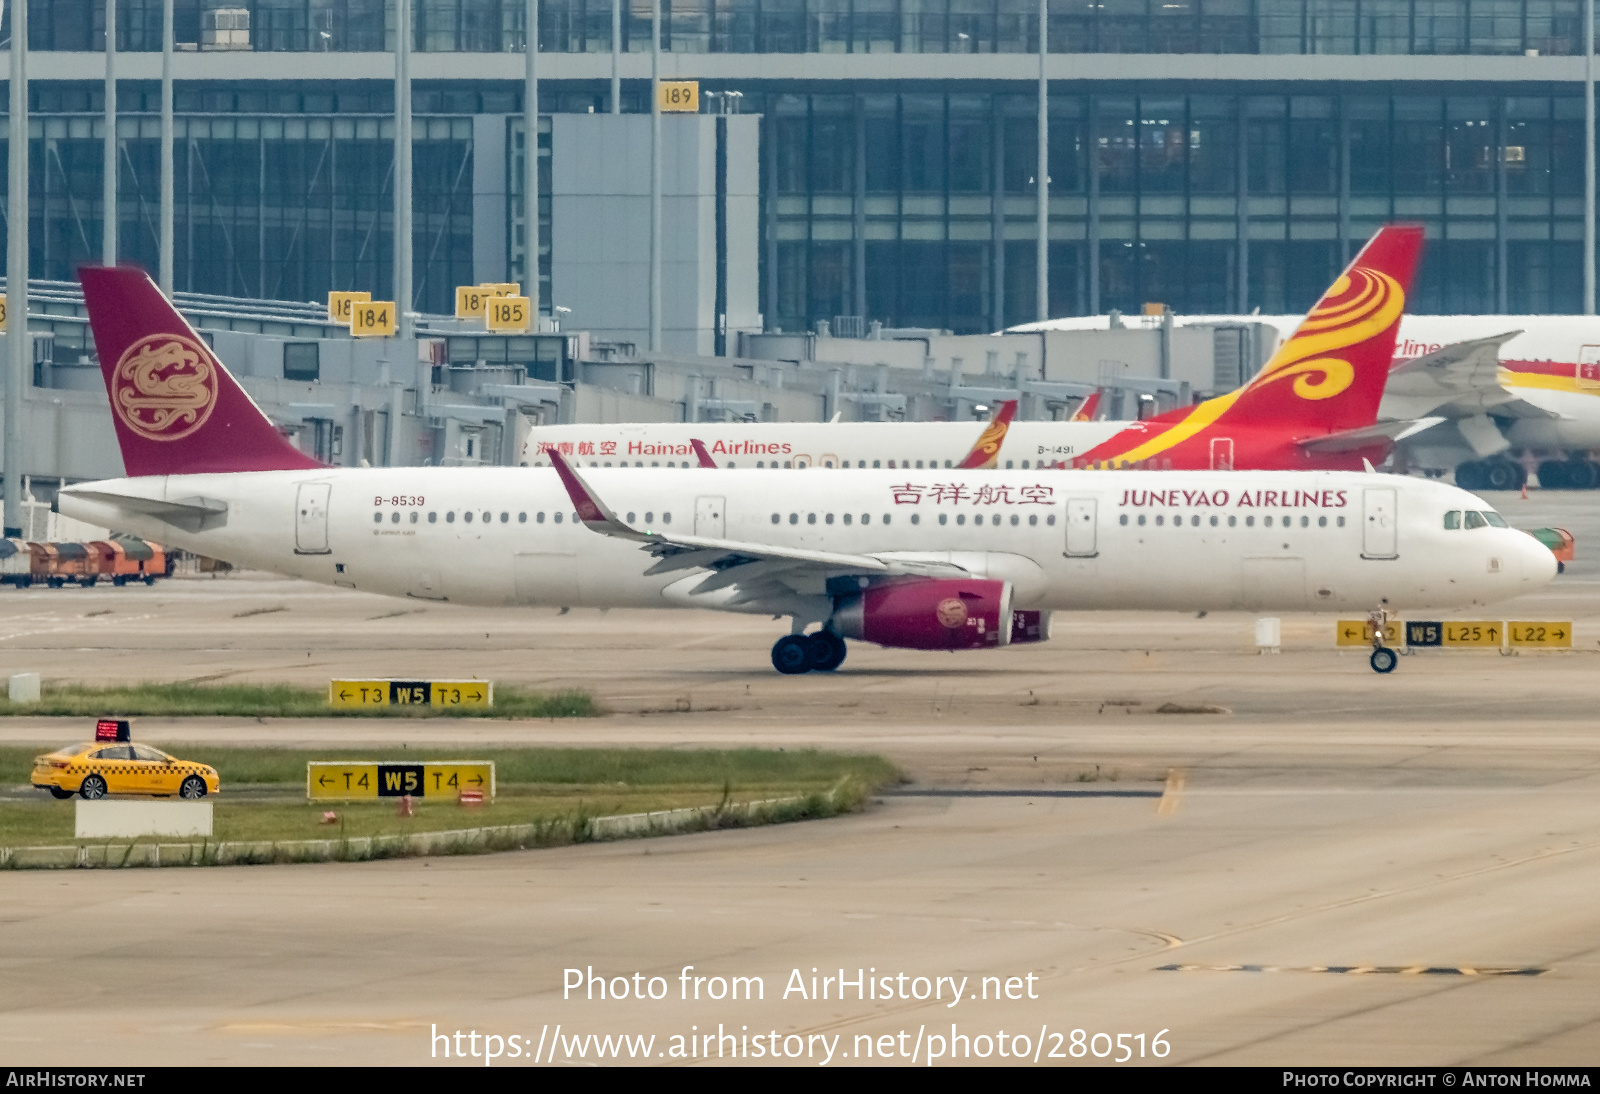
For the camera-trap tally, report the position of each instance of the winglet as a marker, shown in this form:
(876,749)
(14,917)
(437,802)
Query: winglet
(985,455)
(590,509)
(701,454)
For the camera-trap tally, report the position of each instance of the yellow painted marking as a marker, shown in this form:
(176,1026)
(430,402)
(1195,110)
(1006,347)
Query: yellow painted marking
(1540,635)
(372,319)
(1172,796)
(680,96)
(463,693)
(470,300)
(507,313)
(354,694)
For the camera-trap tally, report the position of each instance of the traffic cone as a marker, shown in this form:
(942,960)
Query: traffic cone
(1524,489)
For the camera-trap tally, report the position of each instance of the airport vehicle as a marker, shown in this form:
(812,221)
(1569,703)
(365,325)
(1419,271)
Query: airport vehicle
(1496,394)
(96,769)
(942,560)
(124,559)
(16,563)
(1294,415)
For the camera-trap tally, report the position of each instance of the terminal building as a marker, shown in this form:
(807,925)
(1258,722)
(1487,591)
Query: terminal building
(867,180)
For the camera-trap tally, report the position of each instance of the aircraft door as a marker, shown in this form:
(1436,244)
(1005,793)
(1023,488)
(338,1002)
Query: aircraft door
(1222,453)
(311,519)
(1081,521)
(1379,534)
(709,518)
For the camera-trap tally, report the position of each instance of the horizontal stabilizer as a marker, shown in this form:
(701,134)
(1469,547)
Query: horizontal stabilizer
(1351,440)
(190,514)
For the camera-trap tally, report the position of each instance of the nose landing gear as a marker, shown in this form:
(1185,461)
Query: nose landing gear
(795,654)
(1383,659)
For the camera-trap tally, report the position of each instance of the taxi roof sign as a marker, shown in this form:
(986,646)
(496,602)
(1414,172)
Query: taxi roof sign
(112,729)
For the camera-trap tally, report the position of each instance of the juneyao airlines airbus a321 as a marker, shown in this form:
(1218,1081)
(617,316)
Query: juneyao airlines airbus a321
(930,560)
(1294,415)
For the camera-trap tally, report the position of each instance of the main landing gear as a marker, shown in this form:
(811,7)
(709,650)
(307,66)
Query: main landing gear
(821,651)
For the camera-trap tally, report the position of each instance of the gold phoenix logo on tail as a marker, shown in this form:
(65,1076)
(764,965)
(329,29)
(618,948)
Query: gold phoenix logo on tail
(1341,320)
(985,455)
(164,387)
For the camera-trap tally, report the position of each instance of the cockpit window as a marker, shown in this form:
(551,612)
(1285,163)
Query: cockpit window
(1452,520)
(1495,519)
(1475,520)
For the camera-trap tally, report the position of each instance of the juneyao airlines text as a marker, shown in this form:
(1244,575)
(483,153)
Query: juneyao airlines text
(864,984)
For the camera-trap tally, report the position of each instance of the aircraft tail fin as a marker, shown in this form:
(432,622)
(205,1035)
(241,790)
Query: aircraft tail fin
(1087,409)
(701,454)
(986,453)
(176,409)
(1330,374)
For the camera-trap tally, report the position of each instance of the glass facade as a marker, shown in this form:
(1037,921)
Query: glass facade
(1510,27)
(909,201)
(1208,203)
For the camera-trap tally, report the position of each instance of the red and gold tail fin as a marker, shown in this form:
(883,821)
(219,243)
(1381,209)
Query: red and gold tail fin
(1087,409)
(986,453)
(1327,378)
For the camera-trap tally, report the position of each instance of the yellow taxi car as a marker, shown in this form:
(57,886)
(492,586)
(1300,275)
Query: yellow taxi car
(101,768)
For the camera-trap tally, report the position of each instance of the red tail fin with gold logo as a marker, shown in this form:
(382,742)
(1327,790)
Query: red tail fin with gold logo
(1327,378)
(176,409)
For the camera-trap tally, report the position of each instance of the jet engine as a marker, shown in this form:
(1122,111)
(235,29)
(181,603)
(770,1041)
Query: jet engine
(1029,626)
(931,614)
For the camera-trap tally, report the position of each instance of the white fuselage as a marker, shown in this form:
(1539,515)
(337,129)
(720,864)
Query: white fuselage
(1151,539)
(764,445)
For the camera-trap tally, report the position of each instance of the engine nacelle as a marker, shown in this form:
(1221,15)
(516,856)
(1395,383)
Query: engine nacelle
(930,614)
(1029,626)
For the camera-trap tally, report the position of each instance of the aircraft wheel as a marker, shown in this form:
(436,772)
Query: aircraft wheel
(1582,475)
(827,651)
(1469,476)
(791,655)
(1553,475)
(1384,660)
(1501,475)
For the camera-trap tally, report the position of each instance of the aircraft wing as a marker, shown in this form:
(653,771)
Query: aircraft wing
(1350,440)
(757,571)
(1460,380)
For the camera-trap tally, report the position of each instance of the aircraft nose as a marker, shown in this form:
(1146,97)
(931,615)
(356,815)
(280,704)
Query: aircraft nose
(1531,563)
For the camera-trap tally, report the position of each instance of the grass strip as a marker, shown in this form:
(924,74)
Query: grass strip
(277,701)
(558,790)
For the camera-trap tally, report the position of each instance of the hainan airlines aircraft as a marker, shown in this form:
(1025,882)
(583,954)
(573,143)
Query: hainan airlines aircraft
(1497,394)
(932,560)
(1296,414)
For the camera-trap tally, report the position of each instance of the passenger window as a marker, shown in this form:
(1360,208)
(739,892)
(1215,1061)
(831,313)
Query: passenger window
(630,518)
(1339,521)
(1305,522)
(666,518)
(1033,519)
(775,518)
(794,518)
(1051,520)
(944,518)
(557,517)
(649,518)
(1024,465)
(1015,520)
(377,518)
(487,517)
(433,518)
(811,518)
(828,519)
(1495,519)
(1266,522)
(1232,521)
(866,518)
(1250,522)
(1475,520)
(1008,465)
(961,518)
(1123,520)
(886,518)
(450,517)
(846,518)
(919,465)
(394,517)
(761,463)
(522,518)
(1160,520)
(538,518)
(467,517)
(1452,520)
(414,517)
(916,518)
(1322,522)
(875,464)
(1213,522)
(505,518)
(946,462)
